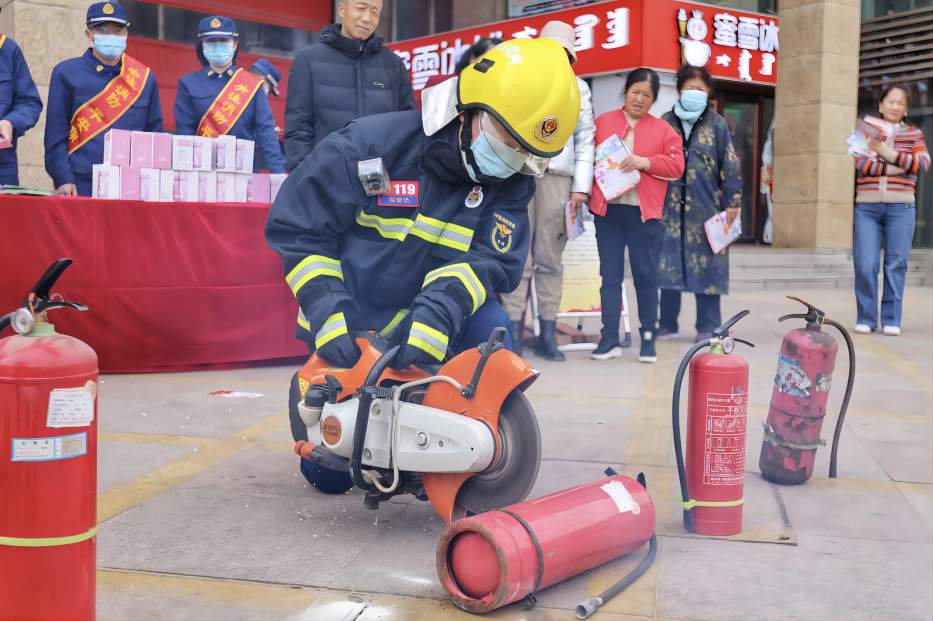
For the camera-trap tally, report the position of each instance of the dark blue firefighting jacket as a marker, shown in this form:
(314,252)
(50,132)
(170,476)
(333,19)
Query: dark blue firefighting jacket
(438,239)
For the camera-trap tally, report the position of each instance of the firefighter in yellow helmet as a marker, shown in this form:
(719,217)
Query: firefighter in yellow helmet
(407,223)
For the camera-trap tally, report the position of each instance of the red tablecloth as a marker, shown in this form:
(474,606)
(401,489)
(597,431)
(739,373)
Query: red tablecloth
(170,286)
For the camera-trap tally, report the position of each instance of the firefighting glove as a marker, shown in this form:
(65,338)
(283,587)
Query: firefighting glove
(336,341)
(422,337)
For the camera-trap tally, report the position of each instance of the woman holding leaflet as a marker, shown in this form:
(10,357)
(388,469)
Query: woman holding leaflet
(634,218)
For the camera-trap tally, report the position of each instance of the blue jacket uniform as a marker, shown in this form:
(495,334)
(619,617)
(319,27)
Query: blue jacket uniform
(449,247)
(75,82)
(198,90)
(19,104)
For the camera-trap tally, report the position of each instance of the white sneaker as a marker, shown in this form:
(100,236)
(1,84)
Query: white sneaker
(891,331)
(615,352)
(862,328)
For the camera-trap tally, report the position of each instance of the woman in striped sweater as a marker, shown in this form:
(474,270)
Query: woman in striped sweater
(885,205)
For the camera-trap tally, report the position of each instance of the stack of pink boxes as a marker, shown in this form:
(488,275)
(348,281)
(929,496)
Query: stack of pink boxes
(153,167)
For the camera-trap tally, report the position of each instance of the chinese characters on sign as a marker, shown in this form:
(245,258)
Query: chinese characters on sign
(744,32)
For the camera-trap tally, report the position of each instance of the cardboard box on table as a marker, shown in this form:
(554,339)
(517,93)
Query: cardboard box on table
(226,187)
(129,183)
(262,188)
(185,188)
(207,187)
(141,150)
(275,182)
(105,182)
(117,147)
(245,150)
(202,156)
(183,152)
(166,186)
(224,151)
(162,151)
(244,189)
(149,184)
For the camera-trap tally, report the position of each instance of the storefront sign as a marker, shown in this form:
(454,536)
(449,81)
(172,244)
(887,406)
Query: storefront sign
(615,36)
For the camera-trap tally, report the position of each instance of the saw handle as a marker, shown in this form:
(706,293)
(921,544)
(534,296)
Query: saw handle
(494,344)
(366,393)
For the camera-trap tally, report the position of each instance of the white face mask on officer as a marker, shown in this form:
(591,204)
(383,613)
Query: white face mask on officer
(219,53)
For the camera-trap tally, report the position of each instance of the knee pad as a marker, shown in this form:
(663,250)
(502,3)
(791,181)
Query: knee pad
(327,480)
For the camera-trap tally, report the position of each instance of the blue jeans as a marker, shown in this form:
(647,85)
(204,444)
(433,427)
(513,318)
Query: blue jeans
(895,221)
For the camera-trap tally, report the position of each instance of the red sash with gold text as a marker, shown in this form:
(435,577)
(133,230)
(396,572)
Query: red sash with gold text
(226,109)
(2,39)
(108,105)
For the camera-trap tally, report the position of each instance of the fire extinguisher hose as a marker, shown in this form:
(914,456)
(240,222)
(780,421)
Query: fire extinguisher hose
(678,448)
(589,606)
(845,399)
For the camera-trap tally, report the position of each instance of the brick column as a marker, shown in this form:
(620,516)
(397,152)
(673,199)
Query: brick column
(48,32)
(815,111)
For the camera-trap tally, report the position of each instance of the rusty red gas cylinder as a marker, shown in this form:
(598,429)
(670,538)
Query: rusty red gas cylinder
(716,426)
(48,476)
(496,558)
(798,405)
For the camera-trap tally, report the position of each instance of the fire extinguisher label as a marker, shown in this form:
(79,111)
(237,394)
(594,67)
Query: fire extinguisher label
(49,449)
(725,439)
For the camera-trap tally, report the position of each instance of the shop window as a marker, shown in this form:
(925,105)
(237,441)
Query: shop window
(420,18)
(167,23)
(769,7)
(880,8)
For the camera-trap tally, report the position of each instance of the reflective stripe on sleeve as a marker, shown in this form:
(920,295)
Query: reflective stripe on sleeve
(303,321)
(389,329)
(335,326)
(311,266)
(465,274)
(427,338)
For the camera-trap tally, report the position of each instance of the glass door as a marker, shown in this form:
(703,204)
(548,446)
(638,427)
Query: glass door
(741,112)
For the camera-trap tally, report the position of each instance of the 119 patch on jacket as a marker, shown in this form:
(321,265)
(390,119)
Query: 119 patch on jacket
(503,231)
(400,194)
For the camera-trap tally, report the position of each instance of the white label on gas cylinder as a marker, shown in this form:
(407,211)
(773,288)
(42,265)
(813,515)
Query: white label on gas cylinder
(48,449)
(619,494)
(70,407)
(724,462)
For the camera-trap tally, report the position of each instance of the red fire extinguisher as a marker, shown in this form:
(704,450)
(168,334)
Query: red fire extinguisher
(717,412)
(48,464)
(798,400)
(499,557)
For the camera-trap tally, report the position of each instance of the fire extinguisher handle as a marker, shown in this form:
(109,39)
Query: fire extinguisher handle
(723,330)
(743,342)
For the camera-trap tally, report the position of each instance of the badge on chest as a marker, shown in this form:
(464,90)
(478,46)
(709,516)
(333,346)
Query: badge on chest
(401,194)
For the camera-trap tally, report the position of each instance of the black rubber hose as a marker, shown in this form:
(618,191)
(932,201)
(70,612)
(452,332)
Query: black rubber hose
(362,418)
(678,447)
(845,399)
(589,606)
(5,321)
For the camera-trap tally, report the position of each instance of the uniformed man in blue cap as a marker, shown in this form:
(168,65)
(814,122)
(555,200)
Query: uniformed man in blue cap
(100,90)
(221,99)
(271,77)
(20,106)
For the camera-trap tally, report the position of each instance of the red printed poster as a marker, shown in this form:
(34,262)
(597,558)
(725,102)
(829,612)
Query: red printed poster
(725,439)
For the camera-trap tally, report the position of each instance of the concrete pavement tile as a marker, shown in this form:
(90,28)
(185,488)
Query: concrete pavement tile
(119,462)
(400,560)
(885,429)
(122,596)
(248,518)
(903,461)
(821,578)
(620,377)
(920,497)
(853,508)
(853,461)
(183,408)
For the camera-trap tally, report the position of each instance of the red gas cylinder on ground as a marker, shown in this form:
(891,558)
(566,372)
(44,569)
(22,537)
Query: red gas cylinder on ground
(713,479)
(48,474)
(798,400)
(495,558)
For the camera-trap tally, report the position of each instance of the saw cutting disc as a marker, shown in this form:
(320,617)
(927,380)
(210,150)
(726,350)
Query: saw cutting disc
(511,479)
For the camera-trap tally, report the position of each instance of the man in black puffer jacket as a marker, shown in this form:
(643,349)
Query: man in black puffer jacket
(345,75)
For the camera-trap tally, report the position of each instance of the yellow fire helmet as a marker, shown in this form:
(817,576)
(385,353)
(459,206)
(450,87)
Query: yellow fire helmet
(529,87)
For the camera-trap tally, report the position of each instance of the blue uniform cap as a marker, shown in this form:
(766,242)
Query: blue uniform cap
(106,12)
(269,72)
(217,26)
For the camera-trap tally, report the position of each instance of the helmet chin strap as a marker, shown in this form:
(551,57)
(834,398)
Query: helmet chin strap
(469,161)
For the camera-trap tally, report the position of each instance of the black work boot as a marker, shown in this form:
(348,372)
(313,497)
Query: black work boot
(517,338)
(546,343)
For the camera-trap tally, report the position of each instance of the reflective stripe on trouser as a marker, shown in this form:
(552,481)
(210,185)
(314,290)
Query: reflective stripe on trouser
(427,338)
(429,229)
(314,265)
(546,219)
(303,321)
(389,329)
(335,326)
(465,274)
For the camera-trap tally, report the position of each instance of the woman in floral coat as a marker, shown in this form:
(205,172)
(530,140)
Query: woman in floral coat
(710,184)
